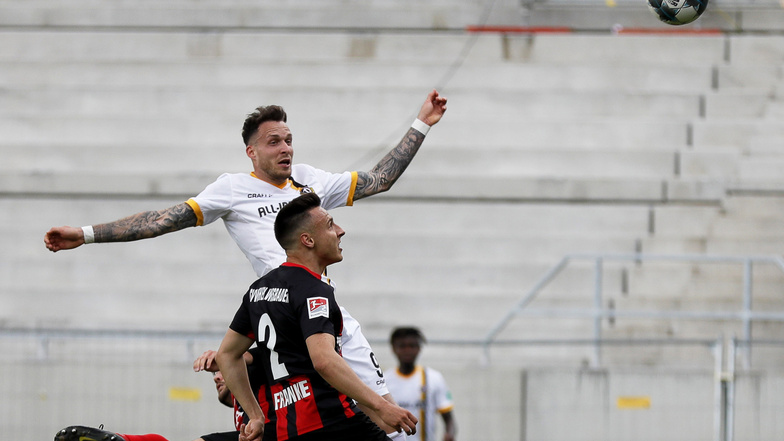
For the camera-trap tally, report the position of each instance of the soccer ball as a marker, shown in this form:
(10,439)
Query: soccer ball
(677,12)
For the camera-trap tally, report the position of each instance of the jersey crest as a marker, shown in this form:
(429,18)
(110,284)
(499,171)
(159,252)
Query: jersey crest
(301,188)
(318,307)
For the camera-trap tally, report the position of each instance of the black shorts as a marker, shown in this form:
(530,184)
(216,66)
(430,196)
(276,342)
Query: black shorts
(222,436)
(357,428)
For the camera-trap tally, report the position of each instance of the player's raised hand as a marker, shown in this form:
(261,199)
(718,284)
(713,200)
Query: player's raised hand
(253,431)
(63,238)
(399,418)
(206,362)
(433,108)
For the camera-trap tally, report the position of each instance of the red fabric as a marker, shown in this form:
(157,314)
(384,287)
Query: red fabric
(280,423)
(307,418)
(347,406)
(147,437)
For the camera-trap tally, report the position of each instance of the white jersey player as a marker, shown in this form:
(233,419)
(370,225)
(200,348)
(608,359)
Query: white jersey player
(248,207)
(420,389)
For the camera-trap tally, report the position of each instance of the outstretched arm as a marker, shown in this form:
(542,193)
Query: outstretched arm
(388,170)
(142,225)
(330,365)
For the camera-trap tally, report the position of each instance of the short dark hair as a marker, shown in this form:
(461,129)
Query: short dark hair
(257,117)
(292,218)
(406,331)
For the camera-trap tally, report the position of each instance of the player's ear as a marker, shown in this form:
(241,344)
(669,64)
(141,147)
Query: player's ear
(307,240)
(250,152)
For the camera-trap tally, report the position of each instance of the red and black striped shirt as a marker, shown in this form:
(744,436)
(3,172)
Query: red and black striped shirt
(280,311)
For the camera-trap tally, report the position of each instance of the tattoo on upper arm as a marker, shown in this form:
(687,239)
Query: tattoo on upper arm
(390,167)
(363,184)
(147,224)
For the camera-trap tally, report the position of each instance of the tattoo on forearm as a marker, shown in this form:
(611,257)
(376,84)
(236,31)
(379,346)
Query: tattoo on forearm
(390,167)
(146,224)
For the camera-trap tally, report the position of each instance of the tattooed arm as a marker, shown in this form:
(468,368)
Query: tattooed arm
(142,225)
(388,170)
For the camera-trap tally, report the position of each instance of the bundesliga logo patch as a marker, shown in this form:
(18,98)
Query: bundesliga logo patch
(318,307)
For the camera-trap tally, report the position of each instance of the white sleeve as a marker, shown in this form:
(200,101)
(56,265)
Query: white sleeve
(442,397)
(214,201)
(338,188)
(397,436)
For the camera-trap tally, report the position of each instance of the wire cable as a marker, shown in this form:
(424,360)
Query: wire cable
(440,85)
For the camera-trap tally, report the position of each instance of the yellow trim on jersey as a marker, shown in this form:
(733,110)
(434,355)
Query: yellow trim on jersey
(197,210)
(281,186)
(445,410)
(350,200)
(422,414)
(416,370)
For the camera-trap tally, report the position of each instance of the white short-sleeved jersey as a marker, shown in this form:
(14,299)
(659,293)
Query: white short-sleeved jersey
(249,206)
(424,393)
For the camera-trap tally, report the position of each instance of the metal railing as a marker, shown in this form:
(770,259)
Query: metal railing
(598,312)
(726,4)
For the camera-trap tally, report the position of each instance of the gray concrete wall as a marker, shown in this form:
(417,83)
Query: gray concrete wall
(553,144)
(104,124)
(142,385)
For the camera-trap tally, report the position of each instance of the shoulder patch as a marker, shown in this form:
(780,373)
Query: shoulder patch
(318,307)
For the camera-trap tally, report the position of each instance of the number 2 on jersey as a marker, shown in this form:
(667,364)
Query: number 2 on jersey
(278,369)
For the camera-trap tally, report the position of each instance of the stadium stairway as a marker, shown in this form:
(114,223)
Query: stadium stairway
(553,143)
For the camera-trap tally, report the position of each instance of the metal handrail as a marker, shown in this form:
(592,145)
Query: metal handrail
(598,312)
(724,4)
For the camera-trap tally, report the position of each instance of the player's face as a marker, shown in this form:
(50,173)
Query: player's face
(220,386)
(406,349)
(327,235)
(271,152)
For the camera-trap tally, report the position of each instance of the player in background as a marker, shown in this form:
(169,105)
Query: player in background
(249,202)
(291,313)
(420,389)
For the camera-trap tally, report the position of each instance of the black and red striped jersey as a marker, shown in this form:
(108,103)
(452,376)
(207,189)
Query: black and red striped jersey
(280,311)
(256,380)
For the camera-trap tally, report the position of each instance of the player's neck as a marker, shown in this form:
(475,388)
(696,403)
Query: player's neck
(311,264)
(406,368)
(279,182)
